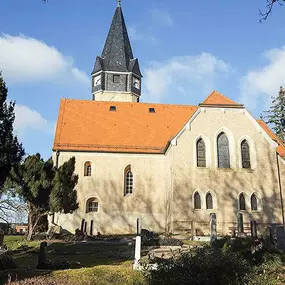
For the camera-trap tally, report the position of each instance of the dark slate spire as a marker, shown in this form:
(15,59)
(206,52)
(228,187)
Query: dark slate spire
(117,51)
(116,70)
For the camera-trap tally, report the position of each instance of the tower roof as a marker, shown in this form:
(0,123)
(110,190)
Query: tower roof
(117,53)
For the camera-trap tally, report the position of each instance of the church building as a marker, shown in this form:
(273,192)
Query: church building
(172,166)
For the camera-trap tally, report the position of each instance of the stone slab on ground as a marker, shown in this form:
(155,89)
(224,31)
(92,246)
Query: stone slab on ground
(168,251)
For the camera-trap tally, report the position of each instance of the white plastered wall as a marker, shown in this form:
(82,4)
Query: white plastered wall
(225,183)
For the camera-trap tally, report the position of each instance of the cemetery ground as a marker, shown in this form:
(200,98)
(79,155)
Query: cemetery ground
(74,263)
(105,263)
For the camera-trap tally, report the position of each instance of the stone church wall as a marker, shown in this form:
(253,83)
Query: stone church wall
(225,185)
(118,213)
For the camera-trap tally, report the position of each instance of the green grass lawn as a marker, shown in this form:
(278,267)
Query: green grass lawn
(74,263)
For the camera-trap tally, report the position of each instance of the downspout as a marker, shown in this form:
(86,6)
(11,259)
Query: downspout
(57,158)
(172,190)
(280,187)
(56,166)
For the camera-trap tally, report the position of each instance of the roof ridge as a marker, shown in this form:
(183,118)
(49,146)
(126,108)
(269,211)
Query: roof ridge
(127,103)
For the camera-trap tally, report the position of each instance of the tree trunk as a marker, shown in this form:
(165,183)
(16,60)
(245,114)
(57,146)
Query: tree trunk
(32,221)
(30,225)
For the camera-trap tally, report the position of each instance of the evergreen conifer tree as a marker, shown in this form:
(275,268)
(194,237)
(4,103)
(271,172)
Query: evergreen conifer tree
(276,114)
(44,188)
(11,151)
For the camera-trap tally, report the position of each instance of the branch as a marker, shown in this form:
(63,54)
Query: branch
(269,7)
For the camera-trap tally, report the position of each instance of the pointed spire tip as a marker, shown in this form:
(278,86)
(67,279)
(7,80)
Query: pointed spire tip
(119,3)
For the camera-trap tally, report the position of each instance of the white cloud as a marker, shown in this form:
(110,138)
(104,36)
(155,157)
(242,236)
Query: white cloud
(136,35)
(161,16)
(27,119)
(183,75)
(259,85)
(25,59)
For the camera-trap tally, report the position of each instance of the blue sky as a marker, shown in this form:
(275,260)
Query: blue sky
(186,49)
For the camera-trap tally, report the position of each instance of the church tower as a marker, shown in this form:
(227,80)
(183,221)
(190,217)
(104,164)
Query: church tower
(116,75)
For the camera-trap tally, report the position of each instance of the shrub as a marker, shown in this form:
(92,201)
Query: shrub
(6,262)
(153,239)
(206,266)
(149,238)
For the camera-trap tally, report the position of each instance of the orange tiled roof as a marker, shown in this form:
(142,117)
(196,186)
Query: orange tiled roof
(281,146)
(216,98)
(90,126)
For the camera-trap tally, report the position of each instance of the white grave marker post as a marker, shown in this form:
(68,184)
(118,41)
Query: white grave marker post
(138,247)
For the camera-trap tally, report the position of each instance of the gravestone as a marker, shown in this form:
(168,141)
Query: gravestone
(42,262)
(269,235)
(240,223)
(193,229)
(1,237)
(280,235)
(138,247)
(254,229)
(213,227)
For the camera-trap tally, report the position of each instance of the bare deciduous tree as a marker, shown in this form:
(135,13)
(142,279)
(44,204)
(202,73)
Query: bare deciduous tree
(269,6)
(12,208)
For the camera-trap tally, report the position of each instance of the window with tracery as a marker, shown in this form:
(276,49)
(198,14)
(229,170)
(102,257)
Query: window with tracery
(197,201)
(201,153)
(242,205)
(209,201)
(223,151)
(245,154)
(253,202)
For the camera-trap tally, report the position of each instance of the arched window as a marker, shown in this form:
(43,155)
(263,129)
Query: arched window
(92,205)
(245,154)
(129,180)
(201,153)
(87,168)
(241,202)
(223,151)
(197,201)
(209,201)
(253,202)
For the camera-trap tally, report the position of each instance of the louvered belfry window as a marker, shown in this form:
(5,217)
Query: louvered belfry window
(209,201)
(201,153)
(253,201)
(197,201)
(245,154)
(241,202)
(223,151)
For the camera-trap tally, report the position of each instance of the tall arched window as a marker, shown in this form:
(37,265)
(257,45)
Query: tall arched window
(197,201)
(245,154)
(92,205)
(223,151)
(209,201)
(87,168)
(241,202)
(201,153)
(253,202)
(129,180)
